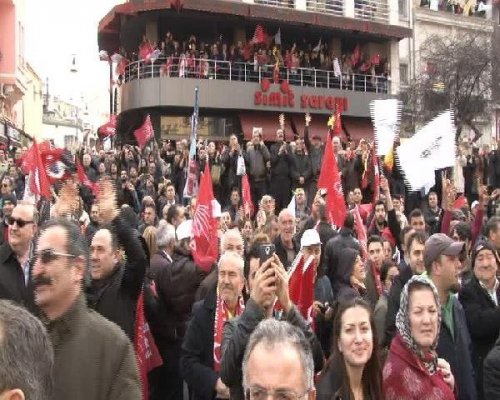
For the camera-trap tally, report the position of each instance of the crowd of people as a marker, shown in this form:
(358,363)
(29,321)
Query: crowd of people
(405,290)
(304,63)
(464,7)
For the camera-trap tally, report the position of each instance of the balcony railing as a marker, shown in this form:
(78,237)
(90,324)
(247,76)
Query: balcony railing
(372,10)
(246,72)
(331,7)
(277,3)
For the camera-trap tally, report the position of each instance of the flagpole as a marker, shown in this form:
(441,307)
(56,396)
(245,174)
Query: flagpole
(191,178)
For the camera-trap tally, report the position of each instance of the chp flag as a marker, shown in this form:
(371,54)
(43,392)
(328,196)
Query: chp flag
(301,285)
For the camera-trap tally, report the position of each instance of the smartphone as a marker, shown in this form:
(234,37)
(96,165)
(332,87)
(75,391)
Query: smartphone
(266,251)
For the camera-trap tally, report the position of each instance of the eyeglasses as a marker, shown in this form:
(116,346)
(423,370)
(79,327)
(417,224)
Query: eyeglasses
(20,222)
(258,393)
(48,255)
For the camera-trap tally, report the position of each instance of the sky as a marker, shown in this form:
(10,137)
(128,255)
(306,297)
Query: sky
(57,29)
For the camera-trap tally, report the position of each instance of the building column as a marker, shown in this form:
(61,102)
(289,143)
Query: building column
(394,60)
(349,8)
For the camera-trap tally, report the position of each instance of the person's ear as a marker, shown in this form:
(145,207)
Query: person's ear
(12,394)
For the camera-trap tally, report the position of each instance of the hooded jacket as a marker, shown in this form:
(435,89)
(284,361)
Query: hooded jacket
(342,288)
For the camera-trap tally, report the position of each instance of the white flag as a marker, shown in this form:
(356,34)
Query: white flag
(291,206)
(336,68)
(386,117)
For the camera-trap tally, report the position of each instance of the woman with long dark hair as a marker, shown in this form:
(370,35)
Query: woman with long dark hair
(353,372)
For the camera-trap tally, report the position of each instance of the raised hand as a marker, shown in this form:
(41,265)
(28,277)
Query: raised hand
(308,119)
(282,121)
(106,201)
(67,201)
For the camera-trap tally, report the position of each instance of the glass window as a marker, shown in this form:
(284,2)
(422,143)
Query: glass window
(403,8)
(207,126)
(403,74)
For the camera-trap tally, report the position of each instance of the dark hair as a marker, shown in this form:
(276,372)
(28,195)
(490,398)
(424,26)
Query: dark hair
(26,355)
(114,238)
(416,213)
(384,270)
(372,373)
(128,214)
(375,239)
(491,226)
(172,213)
(405,230)
(349,221)
(254,251)
(463,231)
(417,236)
(378,203)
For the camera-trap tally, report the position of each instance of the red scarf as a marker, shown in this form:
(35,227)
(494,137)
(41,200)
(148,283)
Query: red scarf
(222,315)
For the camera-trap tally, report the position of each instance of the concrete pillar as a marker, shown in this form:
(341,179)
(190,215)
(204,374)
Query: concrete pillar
(349,8)
(301,5)
(394,67)
(239,35)
(393,12)
(335,46)
(152,31)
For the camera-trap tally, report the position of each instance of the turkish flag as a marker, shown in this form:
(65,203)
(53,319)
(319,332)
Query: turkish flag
(301,285)
(33,165)
(205,240)
(329,179)
(145,51)
(84,179)
(109,128)
(147,354)
(144,133)
(246,195)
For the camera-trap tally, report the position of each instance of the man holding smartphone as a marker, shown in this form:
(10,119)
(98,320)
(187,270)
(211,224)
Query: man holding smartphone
(268,284)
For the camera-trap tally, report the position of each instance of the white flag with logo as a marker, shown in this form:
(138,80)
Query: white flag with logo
(386,117)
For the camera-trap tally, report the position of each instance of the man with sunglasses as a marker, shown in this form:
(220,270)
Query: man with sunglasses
(15,282)
(93,357)
(9,202)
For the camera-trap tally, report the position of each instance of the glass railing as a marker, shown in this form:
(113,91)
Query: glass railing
(247,72)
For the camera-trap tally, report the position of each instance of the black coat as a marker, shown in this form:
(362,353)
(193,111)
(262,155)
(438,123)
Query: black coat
(12,286)
(483,320)
(333,249)
(457,351)
(116,297)
(491,373)
(281,251)
(197,357)
(301,168)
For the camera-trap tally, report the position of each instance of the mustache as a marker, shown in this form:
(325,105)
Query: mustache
(227,287)
(41,280)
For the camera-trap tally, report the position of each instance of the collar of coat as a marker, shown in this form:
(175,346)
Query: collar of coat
(67,322)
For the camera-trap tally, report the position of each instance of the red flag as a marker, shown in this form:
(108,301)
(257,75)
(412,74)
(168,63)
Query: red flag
(109,128)
(84,179)
(459,203)
(145,50)
(148,356)
(55,168)
(246,195)
(375,59)
(32,164)
(337,126)
(356,55)
(301,285)
(365,210)
(360,232)
(205,240)
(329,179)
(259,35)
(120,67)
(144,133)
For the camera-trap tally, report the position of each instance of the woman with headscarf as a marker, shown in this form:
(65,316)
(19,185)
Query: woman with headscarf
(413,369)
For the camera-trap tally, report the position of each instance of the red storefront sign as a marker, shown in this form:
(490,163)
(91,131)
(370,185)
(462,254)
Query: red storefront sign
(284,97)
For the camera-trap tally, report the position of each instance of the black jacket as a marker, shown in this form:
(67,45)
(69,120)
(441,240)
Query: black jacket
(281,251)
(12,286)
(116,297)
(491,373)
(483,321)
(301,167)
(236,335)
(345,239)
(393,302)
(457,351)
(197,357)
(342,288)
(281,164)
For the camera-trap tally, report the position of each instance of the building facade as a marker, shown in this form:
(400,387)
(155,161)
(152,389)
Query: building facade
(347,52)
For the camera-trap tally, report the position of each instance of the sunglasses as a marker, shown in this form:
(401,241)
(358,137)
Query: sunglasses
(46,256)
(20,222)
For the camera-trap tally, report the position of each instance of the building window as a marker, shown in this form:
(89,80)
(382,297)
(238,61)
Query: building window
(208,127)
(403,8)
(403,74)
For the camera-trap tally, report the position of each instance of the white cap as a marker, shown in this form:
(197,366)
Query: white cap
(310,238)
(474,204)
(184,230)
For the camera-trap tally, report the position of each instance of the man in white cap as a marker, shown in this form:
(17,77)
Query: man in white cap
(178,290)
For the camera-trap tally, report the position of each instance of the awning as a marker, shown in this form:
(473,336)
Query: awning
(266,122)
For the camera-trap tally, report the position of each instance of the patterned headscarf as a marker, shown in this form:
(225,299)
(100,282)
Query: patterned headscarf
(428,358)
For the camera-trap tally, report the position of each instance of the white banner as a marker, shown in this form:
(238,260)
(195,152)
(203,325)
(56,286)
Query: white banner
(386,117)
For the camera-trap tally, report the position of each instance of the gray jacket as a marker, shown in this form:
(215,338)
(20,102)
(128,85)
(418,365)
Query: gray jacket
(236,335)
(256,159)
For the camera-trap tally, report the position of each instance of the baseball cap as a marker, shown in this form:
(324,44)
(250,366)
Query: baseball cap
(309,238)
(9,199)
(184,230)
(440,244)
(474,204)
